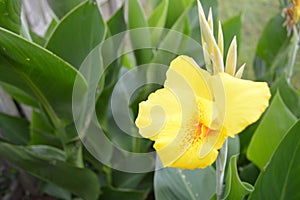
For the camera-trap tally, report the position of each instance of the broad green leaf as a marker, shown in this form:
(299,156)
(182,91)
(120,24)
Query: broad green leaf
(280,179)
(61,8)
(232,27)
(272,128)
(267,50)
(80,181)
(10,11)
(289,95)
(174,183)
(39,73)
(110,193)
(14,130)
(137,19)
(234,187)
(78,33)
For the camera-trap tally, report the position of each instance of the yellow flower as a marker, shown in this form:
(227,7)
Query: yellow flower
(191,117)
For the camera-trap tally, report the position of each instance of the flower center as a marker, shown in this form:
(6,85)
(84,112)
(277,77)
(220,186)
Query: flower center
(202,131)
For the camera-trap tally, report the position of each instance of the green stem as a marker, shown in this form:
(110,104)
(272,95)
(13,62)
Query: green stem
(295,45)
(220,169)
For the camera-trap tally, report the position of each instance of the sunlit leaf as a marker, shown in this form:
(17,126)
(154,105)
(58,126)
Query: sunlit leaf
(272,128)
(78,33)
(280,178)
(37,72)
(234,187)
(10,12)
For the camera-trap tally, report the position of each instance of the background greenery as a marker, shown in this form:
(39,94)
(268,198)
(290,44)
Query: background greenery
(41,154)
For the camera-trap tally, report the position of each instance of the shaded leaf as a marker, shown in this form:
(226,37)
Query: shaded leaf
(232,27)
(280,178)
(53,171)
(14,130)
(272,128)
(61,8)
(289,95)
(267,50)
(110,193)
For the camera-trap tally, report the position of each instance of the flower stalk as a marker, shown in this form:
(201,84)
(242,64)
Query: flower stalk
(294,49)
(220,169)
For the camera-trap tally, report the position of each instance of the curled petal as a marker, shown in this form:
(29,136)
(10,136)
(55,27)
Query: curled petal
(242,101)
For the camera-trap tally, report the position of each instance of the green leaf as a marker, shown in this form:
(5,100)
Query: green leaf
(234,187)
(78,33)
(159,15)
(272,128)
(249,173)
(137,19)
(39,73)
(19,95)
(80,181)
(289,95)
(14,130)
(280,179)
(41,130)
(10,11)
(267,50)
(173,183)
(175,9)
(116,24)
(158,19)
(61,8)
(232,27)
(110,193)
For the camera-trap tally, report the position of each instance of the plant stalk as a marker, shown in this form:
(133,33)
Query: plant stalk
(295,45)
(220,169)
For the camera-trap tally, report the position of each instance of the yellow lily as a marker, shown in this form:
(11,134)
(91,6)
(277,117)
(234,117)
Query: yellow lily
(191,117)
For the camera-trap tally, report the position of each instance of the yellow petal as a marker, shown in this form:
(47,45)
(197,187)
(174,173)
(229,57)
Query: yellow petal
(220,39)
(184,75)
(240,72)
(210,20)
(191,160)
(208,37)
(231,59)
(160,112)
(241,101)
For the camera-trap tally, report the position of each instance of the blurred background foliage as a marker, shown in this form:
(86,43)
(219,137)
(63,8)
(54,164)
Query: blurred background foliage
(42,45)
